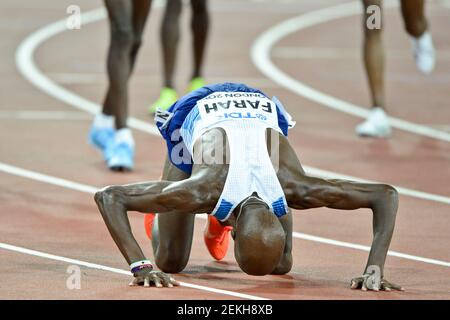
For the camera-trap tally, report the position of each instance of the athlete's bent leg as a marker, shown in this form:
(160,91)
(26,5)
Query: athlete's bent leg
(115,107)
(169,37)
(141,10)
(127,20)
(120,15)
(413,12)
(416,25)
(377,123)
(199,27)
(172,233)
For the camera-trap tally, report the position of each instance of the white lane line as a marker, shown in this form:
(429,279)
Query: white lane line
(260,55)
(339,53)
(119,271)
(367,248)
(28,68)
(26,65)
(89,78)
(90,189)
(33,175)
(445,3)
(43,115)
(68,78)
(312,171)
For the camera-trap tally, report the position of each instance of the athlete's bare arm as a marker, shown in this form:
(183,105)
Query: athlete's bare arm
(305,192)
(199,193)
(186,196)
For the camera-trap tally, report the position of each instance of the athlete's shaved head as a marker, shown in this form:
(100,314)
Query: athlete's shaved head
(259,238)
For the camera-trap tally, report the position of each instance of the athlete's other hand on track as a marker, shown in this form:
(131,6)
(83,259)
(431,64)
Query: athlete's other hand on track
(160,279)
(372,282)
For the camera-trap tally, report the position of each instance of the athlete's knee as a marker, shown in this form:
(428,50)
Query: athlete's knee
(171,265)
(199,6)
(137,42)
(122,37)
(171,261)
(368,3)
(415,26)
(372,34)
(173,8)
(285,265)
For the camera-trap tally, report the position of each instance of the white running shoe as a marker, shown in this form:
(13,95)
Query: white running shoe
(424,52)
(376,125)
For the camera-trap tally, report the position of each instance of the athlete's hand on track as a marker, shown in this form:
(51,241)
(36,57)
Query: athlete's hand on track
(374,283)
(146,277)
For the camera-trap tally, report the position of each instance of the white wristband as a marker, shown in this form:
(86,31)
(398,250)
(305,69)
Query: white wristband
(139,263)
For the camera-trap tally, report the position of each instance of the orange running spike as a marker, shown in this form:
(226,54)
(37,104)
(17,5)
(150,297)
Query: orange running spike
(217,238)
(148,224)
(148,221)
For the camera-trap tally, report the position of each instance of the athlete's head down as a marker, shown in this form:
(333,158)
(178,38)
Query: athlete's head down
(259,238)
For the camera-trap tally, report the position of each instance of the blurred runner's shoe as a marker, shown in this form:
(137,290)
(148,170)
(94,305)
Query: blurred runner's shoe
(101,134)
(196,83)
(217,238)
(102,131)
(122,151)
(101,137)
(424,52)
(376,125)
(122,157)
(167,97)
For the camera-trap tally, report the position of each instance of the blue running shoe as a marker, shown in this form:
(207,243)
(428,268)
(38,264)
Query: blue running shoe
(108,151)
(101,137)
(122,157)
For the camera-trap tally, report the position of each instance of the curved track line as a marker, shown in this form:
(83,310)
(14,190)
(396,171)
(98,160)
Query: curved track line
(260,55)
(91,190)
(25,64)
(27,67)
